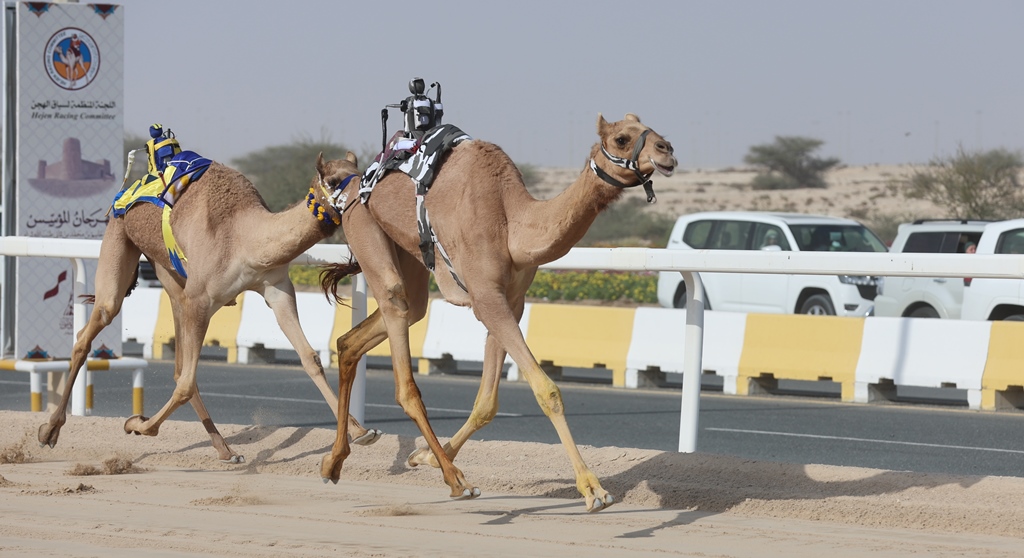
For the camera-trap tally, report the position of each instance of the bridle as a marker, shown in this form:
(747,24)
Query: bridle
(335,200)
(633,164)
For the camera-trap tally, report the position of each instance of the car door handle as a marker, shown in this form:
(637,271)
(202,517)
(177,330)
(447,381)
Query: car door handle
(939,280)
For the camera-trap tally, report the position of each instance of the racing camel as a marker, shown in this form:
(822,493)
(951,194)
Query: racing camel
(495,235)
(232,243)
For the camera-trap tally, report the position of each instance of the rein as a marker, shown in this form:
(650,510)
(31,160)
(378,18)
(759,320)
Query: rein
(633,164)
(335,200)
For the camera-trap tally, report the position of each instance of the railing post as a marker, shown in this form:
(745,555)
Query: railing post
(357,402)
(79,390)
(693,352)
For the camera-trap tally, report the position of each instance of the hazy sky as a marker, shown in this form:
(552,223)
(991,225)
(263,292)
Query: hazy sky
(887,81)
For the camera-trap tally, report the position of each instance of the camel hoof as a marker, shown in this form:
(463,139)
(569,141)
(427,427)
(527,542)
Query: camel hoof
(601,504)
(134,423)
(48,435)
(371,436)
(422,456)
(235,460)
(467,494)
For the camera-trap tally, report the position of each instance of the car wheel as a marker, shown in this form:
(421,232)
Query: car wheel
(924,312)
(680,299)
(1014,318)
(818,305)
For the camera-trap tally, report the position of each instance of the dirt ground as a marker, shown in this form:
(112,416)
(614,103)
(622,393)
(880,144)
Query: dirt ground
(103,493)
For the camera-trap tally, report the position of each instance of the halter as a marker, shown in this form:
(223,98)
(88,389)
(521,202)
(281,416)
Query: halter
(633,164)
(335,200)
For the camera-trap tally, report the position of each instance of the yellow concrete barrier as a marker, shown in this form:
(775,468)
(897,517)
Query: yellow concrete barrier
(222,332)
(1002,382)
(582,336)
(797,347)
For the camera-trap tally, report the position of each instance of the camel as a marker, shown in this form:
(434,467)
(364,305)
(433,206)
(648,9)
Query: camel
(496,235)
(232,243)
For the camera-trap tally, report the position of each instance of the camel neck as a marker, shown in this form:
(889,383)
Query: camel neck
(291,232)
(548,229)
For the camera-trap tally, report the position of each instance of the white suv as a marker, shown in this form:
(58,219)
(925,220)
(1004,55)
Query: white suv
(927,297)
(844,295)
(997,299)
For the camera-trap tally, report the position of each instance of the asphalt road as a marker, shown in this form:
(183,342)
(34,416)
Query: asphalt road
(787,428)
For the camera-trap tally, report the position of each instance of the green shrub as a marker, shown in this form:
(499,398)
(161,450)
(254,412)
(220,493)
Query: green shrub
(607,286)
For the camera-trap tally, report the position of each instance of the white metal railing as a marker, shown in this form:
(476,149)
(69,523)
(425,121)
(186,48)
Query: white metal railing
(687,262)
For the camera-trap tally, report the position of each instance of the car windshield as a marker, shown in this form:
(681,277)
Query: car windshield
(836,238)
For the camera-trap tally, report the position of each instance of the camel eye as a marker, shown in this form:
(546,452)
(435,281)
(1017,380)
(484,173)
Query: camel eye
(620,141)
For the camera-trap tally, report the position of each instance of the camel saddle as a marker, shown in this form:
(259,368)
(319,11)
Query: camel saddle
(420,158)
(162,189)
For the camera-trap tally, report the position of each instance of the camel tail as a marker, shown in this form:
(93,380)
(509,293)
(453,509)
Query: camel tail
(332,274)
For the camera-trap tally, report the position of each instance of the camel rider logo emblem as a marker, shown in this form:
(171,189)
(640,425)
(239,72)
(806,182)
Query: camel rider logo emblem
(72,59)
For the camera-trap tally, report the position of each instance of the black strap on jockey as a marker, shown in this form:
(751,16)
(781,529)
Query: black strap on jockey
(383,129)
(633,164)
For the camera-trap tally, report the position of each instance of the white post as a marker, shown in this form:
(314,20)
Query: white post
(357,403)
(78,391)
(693,348)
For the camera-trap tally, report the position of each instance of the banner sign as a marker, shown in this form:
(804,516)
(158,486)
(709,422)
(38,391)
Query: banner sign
(70,144)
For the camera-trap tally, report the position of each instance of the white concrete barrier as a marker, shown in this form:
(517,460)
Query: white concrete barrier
(259,328)
(453,333)
(921,353)
(139,314)
(657,345)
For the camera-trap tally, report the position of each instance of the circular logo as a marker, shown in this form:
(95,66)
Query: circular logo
(72,59)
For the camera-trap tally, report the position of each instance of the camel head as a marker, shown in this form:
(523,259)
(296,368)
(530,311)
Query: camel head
(631,145)
(327,192)
(630,140)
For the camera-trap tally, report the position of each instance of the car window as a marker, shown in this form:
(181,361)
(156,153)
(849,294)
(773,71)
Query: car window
(697,234)
(1011,242)
(730,235)
(939,242)
(769,235)
(837,238)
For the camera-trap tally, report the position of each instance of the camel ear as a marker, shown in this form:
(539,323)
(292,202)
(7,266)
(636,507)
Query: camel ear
(601,124)
(320,165)
(633,117)
(351,158)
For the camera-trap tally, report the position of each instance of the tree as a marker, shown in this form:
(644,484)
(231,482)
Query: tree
(979,185)
(629,222)
(787,163)
(282,173)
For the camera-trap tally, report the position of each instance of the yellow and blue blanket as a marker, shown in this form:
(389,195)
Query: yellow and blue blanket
(163,189)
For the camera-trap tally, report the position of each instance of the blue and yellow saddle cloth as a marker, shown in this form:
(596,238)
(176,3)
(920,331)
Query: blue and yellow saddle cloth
(163,189)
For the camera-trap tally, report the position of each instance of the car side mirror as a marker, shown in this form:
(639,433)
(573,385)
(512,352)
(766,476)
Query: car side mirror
(772,248)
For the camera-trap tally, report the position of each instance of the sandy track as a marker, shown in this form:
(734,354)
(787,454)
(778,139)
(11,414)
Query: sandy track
(185,503)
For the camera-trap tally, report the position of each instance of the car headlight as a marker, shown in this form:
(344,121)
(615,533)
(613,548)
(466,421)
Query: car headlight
(861,280)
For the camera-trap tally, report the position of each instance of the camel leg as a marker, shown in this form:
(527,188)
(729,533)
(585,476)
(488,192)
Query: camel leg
(351,347)
(485,407)
(281,299)
(176,292)
(115,272)
(394,307)
(191,322)
(357,342)
(493,310)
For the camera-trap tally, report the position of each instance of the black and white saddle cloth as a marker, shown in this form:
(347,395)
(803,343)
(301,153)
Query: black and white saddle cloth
(420,158)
